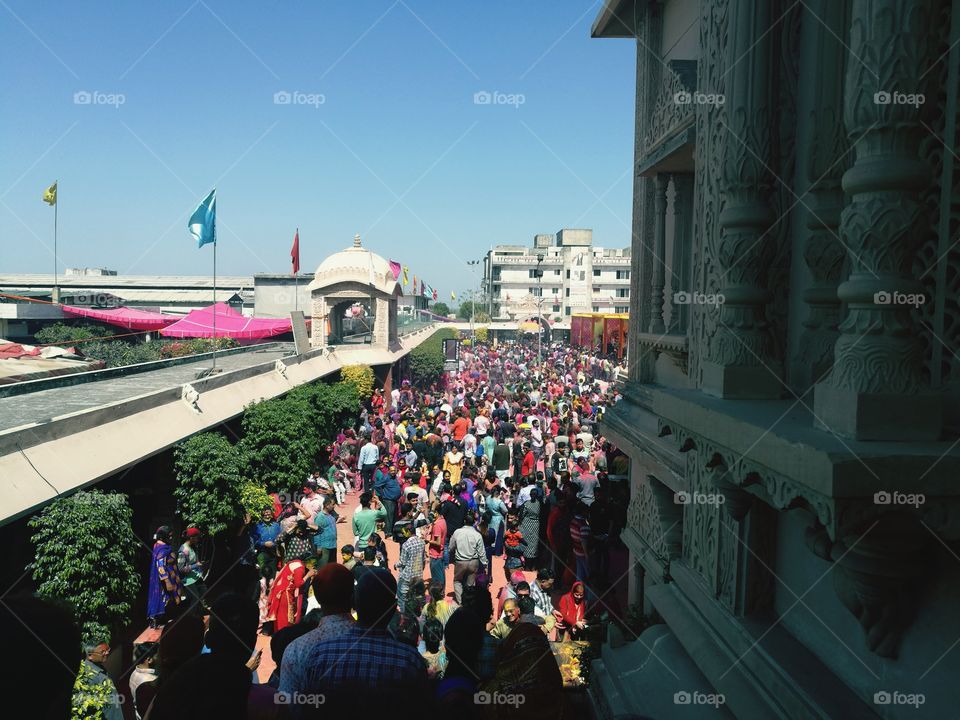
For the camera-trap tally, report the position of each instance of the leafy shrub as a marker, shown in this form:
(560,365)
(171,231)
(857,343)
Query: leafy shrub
(332,407)
(280,444)
(209,482)
(195,346)
(85,551)
(361,376)
(426,360)
(254,498)
(482,334)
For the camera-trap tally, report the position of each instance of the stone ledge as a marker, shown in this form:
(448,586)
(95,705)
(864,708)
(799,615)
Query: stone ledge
(779,435)
(777,678)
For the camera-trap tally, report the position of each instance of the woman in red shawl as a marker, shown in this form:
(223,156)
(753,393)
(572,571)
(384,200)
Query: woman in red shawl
(286,595)
(573,610)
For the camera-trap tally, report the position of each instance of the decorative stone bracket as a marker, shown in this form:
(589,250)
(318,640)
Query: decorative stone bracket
(880,544)
(191,397)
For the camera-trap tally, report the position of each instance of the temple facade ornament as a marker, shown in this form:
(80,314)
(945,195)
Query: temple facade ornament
(828,156)
(740,361)
(876,389)
(659,258)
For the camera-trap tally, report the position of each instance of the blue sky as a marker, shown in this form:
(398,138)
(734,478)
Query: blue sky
(383,138)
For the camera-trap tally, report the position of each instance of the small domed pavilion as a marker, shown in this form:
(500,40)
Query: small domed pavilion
(354,300)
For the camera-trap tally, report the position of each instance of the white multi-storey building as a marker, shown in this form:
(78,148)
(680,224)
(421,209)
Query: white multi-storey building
(562,275)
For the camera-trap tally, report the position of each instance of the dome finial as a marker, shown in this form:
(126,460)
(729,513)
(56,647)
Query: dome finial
(356,240)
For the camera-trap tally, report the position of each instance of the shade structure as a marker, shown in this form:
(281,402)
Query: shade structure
(230,324)
(125,317)
(528,326)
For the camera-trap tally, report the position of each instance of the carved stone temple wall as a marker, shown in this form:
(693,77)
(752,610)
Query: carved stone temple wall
(792,411)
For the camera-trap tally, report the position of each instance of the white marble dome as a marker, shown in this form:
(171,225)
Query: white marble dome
(356,264)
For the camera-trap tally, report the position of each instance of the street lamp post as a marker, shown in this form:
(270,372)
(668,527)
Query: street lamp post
(473,305)
(539,273)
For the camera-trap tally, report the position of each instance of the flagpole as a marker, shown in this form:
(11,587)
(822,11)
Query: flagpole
(214,295)
(296,293)
(55,293)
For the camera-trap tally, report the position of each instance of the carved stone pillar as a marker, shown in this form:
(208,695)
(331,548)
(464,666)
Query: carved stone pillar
(680,252)
(875,390)
(739,361)
(318,326)
(381,323)
(659,252)
(824,24)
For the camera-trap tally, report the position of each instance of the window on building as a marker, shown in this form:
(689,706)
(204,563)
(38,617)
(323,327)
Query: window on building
(622,309)
(556,291)
(596,288)
(556,308)
(536,291)
(567,292)
(623,292)
(583,275)
(596,273)
(567,311)
(596,308)
(623,274)
(557,272)
(568,274)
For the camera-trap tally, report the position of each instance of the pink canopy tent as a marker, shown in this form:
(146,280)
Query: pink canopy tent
(230,324)
(124,317)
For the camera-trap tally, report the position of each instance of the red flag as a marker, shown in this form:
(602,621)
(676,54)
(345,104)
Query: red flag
(295,252)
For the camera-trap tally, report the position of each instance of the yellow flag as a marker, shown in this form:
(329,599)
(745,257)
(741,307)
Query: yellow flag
(406,275)
(50,195)
(453,295)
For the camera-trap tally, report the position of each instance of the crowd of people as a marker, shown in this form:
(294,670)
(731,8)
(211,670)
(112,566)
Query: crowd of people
(500,470)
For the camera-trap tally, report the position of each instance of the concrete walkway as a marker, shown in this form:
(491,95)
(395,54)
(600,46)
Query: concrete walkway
(44,405)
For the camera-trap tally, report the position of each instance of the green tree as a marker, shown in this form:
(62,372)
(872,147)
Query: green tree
(209,482)
(465,310)
(85,551)
(280,444)
(440,308)
(332,407)
(426,360)
(482,334)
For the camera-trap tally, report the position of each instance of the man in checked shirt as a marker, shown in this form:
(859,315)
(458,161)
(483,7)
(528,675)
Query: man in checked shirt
(411,561)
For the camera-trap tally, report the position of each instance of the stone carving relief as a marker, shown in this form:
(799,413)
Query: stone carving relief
(710,119)
(937,261)
(673,109)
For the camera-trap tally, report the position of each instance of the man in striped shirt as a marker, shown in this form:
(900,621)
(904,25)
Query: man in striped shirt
(580,540)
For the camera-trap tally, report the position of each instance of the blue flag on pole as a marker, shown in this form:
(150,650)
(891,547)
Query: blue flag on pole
(203,222)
